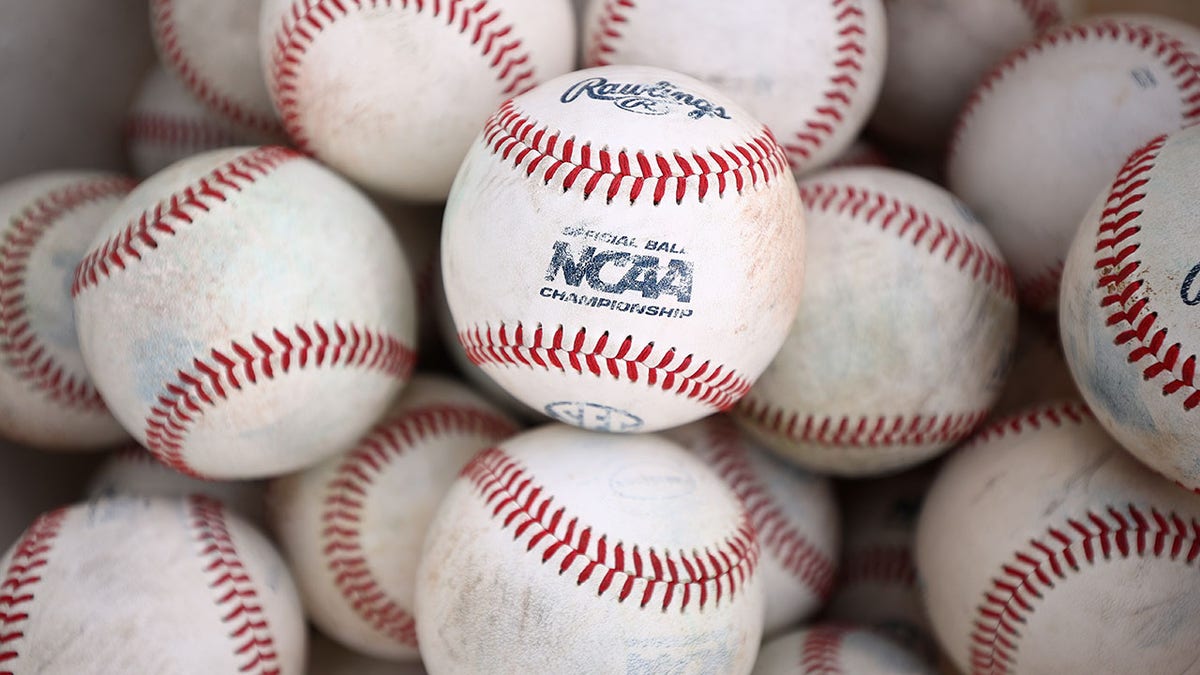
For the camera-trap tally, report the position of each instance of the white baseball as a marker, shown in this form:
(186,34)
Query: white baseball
(826,649)
(1043,547)
(809,69)
(245,313)
(903,336)
(392,93)
(1080,99)
(623,249)
(938,51)
(794,513)
(1130,319)
(352,526)
(211,46)
(47,221)
(565,551)
(148,586)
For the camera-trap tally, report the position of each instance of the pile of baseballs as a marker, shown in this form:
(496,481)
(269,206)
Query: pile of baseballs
(615,336)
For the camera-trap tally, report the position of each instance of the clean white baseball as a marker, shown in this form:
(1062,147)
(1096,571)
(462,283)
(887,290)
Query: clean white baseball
(1130,319)
(828,649)
(810,69)
(47,220)
(565,551)
(246,313)
(623,249)
(938,51)
(1081,98)
(211,46)
(148,586)
(391,92)
(794,513)
(1043,547)
(904,333)
(352,526)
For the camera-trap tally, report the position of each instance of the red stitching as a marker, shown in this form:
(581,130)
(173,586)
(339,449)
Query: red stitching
(162,129)
(233,587)
(348,490)
(1042,13)
(181,403)
(821,651)
(144,232)
(608,31)
(1183,64)
(569,163)
(1113,533)
(713,385)
(30,556)
(30,359)
(879,564)
(915,226)
(859,432)
(473,19)
(1055,414)
(165,31)
(1125,296)
(803,560)
(514,498)
(1042,289)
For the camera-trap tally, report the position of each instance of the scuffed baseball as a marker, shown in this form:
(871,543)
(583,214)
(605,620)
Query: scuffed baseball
(836,648)
(623,249)
(47,221)
(1044,547)
(904,333)
(564,551)
(246,313)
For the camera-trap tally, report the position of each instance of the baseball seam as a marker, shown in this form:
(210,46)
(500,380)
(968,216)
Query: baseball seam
(181,403)
(504,346)
(569,163)
(149,230)
(1128,300)
(780,536)
(1041,290)
(1113,532)
(175,132)
(166,34)
(925,232)
(884,564)
(30,556)
(233,588)
(511,496)
(29,357)
(1056,414)
(821,651)
(1042,14)
(480,24)
(347,492)
(608,31)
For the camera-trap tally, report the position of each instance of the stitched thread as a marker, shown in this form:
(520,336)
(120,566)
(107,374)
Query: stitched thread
(887,565)
(153,226)
(30,556)
(917,227)
(233,588)
(1095,537)
(172,131)
(475,20)
(348,491)
(682,577)
(1042,14)
(820,653)
(1052,414)
(569,164)
(167,36)
(207,382)
(1041,290)
(29,358)
(505,346)
(777,534)
(608,30)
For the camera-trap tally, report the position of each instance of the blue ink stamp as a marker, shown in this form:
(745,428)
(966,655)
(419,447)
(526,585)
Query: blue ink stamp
(659,98)
(594,417)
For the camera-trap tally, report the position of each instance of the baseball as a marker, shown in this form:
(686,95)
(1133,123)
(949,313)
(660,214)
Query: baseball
(47,221)
(794,513)
(83,590)
(623,249)
(1129,317)
(1044,547)
(245,313)
(352,526)
(810,70)
(1068,107)
(836,648)
(391,94)
(326,657)
(564,551)
(904,333)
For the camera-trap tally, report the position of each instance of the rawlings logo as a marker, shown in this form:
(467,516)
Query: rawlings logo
(644,274)
(647,99)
